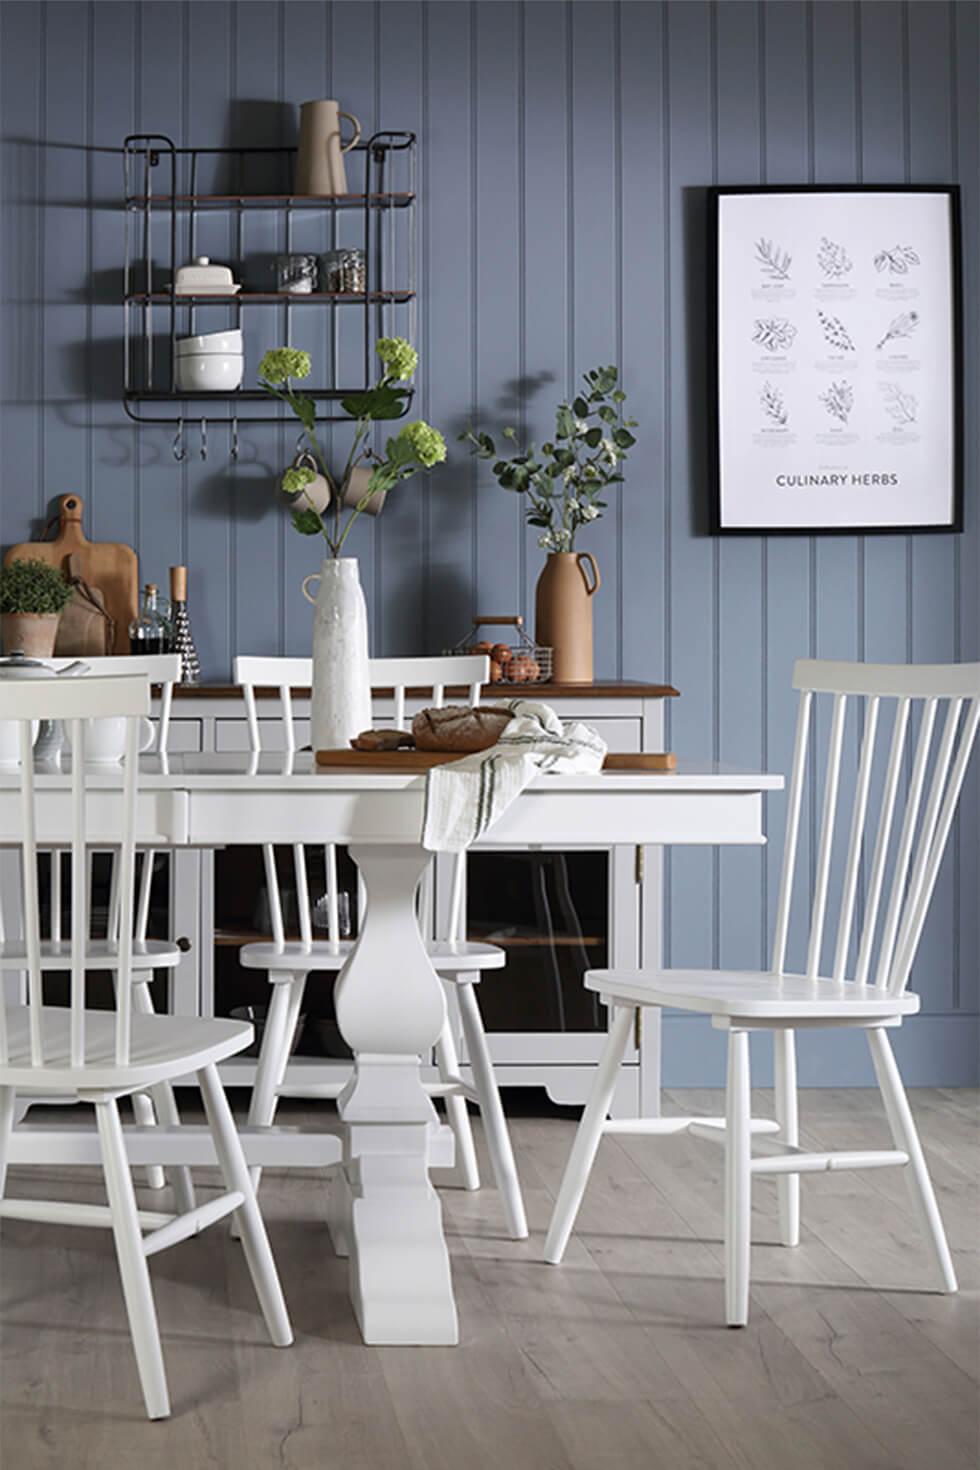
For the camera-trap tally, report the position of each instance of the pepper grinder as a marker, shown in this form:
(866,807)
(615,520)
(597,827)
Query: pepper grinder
(183,638)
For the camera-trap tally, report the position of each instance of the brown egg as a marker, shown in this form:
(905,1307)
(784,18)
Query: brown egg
(520,669)
(501,654)
(496,673)
(485,647)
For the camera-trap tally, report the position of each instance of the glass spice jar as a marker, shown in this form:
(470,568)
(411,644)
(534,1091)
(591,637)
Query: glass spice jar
(344,271)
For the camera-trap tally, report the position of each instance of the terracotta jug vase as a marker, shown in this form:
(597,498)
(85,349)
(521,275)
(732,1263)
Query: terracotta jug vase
(320,156)
(563,613)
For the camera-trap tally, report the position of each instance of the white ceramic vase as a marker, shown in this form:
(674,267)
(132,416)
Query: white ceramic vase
(341,702)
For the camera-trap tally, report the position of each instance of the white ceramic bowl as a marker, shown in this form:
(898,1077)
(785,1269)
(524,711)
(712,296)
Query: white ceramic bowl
(227,343)
(209,372)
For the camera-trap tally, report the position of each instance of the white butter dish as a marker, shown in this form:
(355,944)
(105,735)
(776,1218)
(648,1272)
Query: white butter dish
(201,278)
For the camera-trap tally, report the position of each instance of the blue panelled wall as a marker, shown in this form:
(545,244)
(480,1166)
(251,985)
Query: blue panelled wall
(564,151)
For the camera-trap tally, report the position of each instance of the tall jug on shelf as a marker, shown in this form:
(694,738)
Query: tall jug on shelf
(320,157)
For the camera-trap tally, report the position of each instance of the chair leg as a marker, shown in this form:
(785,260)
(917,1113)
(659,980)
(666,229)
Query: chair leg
(274,1053)
(142,1002)
(255,1242)
(787,1115)
(492,1111)
(906,1137)
(8,1103)
(457,1112)
(738,1181)
(168,1115)
(586,1144)
(132,1262)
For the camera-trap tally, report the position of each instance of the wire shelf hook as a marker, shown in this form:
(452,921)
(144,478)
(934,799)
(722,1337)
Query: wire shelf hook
(179,448)
(204,438)
(234,439)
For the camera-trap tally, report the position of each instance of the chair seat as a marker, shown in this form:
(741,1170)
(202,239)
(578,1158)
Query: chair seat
(448,956)
(161,1048)
(751,994)
(100,954)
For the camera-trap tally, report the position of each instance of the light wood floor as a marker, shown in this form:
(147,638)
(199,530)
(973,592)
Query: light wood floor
(615,1360)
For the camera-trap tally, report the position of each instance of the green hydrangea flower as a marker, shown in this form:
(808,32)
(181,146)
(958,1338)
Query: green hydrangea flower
(428,445)
(399,357)
(280,363)
(297,479)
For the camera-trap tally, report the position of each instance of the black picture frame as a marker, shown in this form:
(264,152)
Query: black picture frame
(954,522)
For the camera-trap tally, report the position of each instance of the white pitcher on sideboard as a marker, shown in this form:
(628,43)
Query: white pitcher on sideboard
(340,707)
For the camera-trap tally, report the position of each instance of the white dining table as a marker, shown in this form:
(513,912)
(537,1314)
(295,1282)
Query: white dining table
(383,1211)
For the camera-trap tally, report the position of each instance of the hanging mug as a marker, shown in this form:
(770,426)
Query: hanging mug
(319,492)
(320,156)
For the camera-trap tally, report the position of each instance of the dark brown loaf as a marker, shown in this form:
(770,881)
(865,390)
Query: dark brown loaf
(382,740)
(458,728)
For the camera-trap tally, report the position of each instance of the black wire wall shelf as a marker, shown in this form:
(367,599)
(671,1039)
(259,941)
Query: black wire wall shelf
(164,227)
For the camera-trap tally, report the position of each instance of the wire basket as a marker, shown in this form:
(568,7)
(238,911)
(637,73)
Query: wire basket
(519,662)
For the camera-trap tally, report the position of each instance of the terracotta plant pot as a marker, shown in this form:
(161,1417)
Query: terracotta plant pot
(31,633)
(563,614)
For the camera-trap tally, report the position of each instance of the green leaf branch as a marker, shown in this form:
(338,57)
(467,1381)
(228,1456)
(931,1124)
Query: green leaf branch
(566,481)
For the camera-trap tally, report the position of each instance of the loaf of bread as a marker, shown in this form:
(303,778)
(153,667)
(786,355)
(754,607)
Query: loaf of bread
(458,728)
(383,740)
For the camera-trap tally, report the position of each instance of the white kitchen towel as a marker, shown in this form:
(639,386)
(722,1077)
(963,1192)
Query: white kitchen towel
(465,797)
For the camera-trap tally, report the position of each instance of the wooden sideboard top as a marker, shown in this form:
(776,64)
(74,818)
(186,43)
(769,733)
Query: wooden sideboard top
(600,689)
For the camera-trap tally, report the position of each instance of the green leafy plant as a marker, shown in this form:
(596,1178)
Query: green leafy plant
(33,586)
(565,482)
(416,446)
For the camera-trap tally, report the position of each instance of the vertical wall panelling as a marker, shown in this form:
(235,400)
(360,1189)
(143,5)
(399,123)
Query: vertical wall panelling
(690,935)
(447,340)
(545,203)
(496,308)
(565,150)
(966,945)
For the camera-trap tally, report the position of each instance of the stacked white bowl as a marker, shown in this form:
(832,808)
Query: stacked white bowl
(212,363)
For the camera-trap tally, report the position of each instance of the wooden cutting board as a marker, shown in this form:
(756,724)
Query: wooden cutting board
(397,762)
(109,565)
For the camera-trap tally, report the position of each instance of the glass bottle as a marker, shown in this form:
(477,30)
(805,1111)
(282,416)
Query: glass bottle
(148,633)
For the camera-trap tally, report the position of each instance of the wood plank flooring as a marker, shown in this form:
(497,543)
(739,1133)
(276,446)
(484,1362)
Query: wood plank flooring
(617,1360)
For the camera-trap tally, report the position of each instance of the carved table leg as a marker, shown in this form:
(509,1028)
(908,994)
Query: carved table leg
(383,1210)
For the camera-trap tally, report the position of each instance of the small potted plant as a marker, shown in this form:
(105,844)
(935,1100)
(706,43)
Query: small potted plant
(565,485)
(33,595)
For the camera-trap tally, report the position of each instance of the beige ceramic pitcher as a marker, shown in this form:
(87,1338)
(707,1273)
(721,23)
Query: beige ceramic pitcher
(563,613)
(320,157)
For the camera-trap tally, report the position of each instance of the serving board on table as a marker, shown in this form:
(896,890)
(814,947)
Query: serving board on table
(397,762)
(108,565)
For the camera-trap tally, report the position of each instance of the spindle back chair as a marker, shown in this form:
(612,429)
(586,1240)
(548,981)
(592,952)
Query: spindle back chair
(458,962)
(907,783)
(98,1057)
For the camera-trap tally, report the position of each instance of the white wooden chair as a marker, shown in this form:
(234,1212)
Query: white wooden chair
(457,961)
(99,1057)
(876,954)
(162,669)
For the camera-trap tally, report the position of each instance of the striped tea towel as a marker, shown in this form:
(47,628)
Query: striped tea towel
(465,797)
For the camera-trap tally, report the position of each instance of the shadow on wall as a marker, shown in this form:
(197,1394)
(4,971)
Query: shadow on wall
(700,448)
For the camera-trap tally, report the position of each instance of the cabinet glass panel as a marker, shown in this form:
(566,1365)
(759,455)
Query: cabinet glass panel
(241,916)
(550,912)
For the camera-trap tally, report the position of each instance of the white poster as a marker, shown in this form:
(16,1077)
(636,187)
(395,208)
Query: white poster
(836,360)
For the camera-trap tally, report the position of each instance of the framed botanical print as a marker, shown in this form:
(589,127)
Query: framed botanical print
(835,347)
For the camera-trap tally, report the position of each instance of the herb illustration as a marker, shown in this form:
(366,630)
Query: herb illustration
(773,405)
(774,333)
(836,333)
(897,260)
(775,263)
(838,400)
(900,326)
(833,259)
(903,407)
